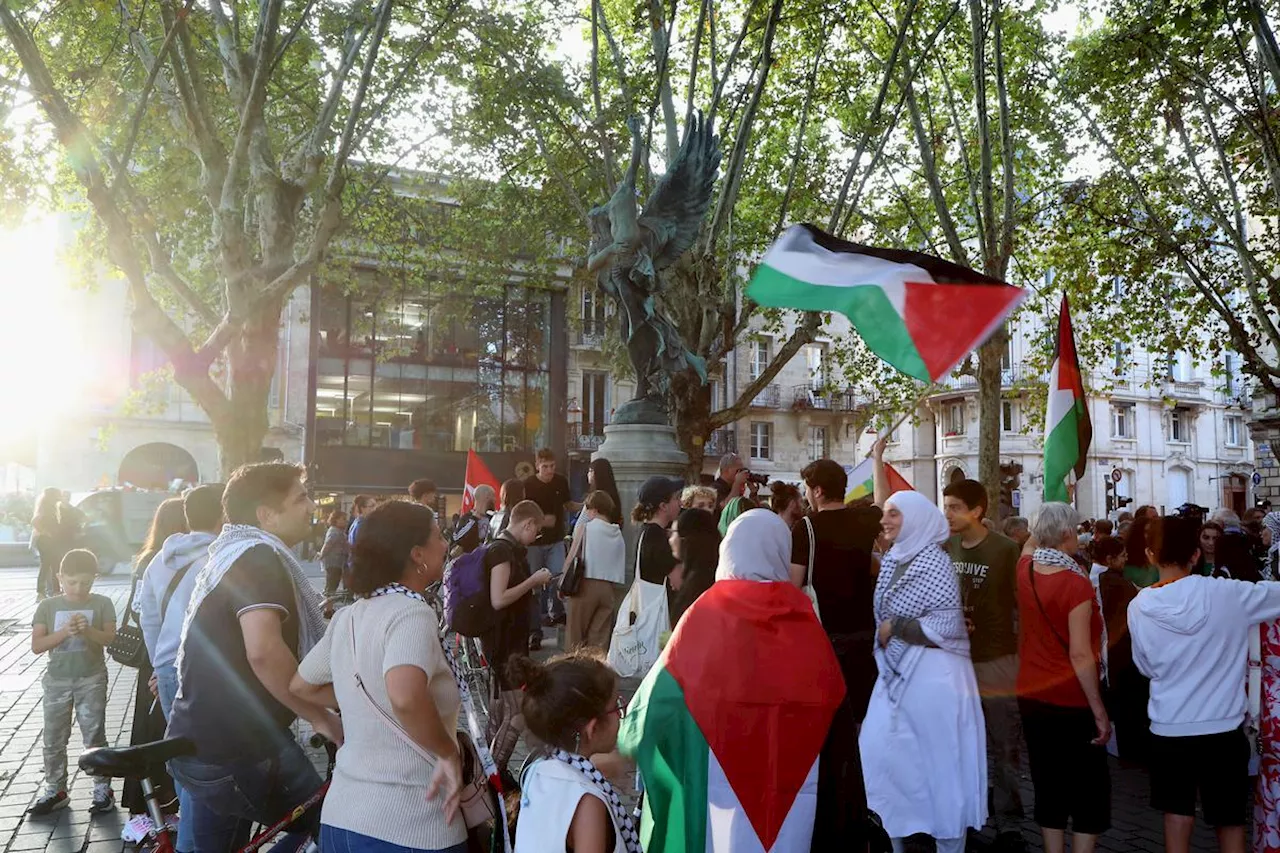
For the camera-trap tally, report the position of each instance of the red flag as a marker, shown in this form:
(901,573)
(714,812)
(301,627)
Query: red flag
(478,474)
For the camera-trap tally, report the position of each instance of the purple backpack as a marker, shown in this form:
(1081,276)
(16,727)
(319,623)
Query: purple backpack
(468,609)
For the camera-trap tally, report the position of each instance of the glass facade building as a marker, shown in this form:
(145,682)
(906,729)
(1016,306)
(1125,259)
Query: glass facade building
(407,379)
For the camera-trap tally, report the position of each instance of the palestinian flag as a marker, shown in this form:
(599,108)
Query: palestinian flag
(919,313)
(478,474)
(862,480)
(727,726)
(1068,430)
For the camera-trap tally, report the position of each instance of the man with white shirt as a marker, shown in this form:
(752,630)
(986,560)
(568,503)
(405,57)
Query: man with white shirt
(1190,637)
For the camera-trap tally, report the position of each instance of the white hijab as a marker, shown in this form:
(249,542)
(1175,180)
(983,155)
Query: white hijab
(757,547)
(923,524)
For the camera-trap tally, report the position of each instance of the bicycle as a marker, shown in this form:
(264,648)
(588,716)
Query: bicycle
(143,761)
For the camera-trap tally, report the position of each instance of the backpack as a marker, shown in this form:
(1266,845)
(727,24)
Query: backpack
(468,609)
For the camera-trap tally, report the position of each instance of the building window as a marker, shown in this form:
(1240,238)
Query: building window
(1122,425)
(1006,416)
(953,418)
(1235,430)
(759,358)
(1121,359)
(1181,368)
(816,360)
(1229,371)
(818,442)
(595,402)
(593,313)
(717,399)
(761,440)
(1180,425)
(1006,357)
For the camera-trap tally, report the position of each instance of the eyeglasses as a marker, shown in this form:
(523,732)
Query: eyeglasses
(619,708)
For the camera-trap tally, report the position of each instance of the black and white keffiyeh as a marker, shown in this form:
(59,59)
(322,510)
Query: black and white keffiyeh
(927,591)
(625,824)
(1058,559)
(231,545)
(1272,522)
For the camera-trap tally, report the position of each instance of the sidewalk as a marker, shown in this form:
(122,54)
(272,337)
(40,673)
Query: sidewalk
(1135,826)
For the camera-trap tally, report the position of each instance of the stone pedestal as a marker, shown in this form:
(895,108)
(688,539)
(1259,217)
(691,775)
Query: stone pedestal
(637,452)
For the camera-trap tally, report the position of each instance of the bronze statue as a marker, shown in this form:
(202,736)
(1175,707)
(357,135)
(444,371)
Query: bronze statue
(628,251)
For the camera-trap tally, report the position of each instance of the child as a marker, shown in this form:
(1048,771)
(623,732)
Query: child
(506,564)
(73,628)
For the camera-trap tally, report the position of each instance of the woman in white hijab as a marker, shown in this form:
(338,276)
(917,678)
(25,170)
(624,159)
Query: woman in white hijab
(923,742)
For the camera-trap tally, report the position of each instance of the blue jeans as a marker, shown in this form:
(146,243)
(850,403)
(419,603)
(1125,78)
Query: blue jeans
(227,799)
(167,690)
(334,840)
(550,557)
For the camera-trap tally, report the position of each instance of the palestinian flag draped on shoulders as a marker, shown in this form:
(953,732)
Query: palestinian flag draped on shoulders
(727,726)
(919,313)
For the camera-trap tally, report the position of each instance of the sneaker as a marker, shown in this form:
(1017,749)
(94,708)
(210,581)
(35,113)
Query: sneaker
(50,802)
(104,800)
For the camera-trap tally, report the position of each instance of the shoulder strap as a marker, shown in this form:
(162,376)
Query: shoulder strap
(391,722)
(172,588)
(1065,645)
(808,526)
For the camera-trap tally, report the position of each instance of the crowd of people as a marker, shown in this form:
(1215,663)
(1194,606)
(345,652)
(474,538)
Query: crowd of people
(928,661)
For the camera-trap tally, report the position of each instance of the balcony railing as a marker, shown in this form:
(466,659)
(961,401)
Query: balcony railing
(592,334)
(720,442)
(770,397)
(808,397)
(1009,376)
(585,435)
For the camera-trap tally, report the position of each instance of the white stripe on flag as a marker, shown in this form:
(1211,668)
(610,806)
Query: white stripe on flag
(797,255)
(730,831)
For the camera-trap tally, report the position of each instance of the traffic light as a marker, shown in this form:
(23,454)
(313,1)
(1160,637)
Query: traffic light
(1111,496)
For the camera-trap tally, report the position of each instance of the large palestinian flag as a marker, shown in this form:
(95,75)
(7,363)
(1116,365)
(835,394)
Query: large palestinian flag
(727,726)
(919,313)
(1068,430)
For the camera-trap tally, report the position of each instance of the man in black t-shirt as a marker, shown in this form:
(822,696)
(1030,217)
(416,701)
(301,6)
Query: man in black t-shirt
(550,491)
(986,564)
(239,651)
(511,587)
(843,581)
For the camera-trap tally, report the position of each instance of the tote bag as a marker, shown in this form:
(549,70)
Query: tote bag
(643,617)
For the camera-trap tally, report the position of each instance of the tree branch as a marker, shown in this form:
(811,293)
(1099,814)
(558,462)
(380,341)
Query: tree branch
(978,67)
(803,334)
(693,61)
(658,35)
(1005,246)
(729,62)
(126,153)
(934,182)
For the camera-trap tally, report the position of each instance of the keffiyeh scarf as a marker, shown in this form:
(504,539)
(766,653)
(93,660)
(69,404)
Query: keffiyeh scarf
(1058,559)
(1272,522)
(625,824)
(928,592)
(231,545)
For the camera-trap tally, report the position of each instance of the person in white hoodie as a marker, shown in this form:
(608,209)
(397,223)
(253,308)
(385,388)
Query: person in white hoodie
(599,541)
(162,601)
(1190,637)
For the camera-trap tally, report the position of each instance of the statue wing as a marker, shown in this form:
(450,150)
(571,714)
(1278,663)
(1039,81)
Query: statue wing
(673,216)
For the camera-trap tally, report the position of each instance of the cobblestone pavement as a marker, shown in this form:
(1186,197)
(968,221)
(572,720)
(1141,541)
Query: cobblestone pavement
(71,830)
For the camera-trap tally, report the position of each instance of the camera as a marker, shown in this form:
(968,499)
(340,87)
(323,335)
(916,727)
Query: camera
(758,479)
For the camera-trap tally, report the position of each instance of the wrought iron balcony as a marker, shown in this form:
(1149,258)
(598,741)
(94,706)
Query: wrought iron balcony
(584,435)
(808,397)
(770,397)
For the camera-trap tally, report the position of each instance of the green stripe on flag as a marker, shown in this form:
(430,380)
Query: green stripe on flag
(1061,453)
(660,733)
(866,306)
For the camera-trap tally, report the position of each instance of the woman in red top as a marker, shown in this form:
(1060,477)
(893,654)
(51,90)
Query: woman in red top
(1063,718)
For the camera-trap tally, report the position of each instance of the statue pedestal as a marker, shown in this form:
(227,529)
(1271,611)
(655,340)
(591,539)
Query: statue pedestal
(637,452)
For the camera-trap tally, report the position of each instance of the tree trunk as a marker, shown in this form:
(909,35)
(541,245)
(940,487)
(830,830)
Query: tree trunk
(252,360)
(990,356)
(692,410)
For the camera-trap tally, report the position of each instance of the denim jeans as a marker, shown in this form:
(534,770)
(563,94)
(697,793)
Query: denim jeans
(334,840)
(167,690)
(550,557)
(227,799)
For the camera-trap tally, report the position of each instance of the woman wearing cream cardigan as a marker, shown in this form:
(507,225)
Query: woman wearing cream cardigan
(590,609)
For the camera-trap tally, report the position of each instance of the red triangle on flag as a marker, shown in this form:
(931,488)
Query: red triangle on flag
(762,682)
(478,474)
(946,322)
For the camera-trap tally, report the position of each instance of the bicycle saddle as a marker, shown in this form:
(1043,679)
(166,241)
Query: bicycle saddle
(135,762)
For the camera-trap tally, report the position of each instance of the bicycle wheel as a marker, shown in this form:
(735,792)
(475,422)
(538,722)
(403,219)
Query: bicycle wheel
(478,673)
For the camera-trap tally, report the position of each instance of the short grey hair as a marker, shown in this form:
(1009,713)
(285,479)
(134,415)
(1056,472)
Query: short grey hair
(1014,523)
(1225,517)
(1053,522)
(729,460)
(485,496)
